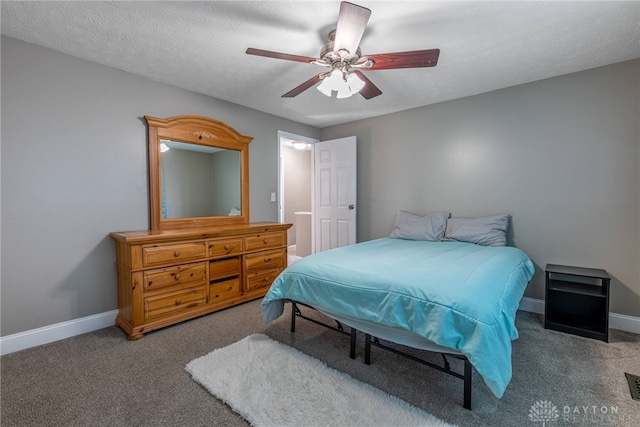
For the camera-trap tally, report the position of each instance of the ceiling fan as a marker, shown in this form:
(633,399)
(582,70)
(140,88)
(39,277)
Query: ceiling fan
(342,55)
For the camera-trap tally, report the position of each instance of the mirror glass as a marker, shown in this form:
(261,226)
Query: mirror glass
(199,180)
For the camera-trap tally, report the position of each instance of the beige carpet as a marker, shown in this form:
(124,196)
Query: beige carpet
(102,379)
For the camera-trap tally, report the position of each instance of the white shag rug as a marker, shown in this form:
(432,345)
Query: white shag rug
(272,384)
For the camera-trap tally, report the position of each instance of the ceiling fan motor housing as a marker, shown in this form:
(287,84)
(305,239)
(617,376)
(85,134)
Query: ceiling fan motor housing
(328,55)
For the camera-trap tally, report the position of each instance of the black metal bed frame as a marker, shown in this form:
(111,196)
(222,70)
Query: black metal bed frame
(466,377)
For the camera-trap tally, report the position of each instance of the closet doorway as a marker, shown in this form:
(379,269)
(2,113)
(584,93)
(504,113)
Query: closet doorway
(295,192)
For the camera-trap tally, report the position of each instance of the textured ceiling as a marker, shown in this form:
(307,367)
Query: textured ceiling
(201,46)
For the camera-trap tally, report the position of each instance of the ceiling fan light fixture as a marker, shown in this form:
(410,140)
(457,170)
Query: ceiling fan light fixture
(333,82)
(344,86)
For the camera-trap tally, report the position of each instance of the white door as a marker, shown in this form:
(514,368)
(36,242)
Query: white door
(335,193)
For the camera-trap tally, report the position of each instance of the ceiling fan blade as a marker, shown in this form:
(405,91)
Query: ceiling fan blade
(278,55)
(369,90)
(352,21)
(304,86)
(412,59)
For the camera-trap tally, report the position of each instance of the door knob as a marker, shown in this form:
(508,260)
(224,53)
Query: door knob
(351,206)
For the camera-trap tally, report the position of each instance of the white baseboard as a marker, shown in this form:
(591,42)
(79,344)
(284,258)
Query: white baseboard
(624,322)
(616,321)
(532,305)
(59,331)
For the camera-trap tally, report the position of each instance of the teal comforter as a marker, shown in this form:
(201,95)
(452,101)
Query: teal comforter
(459,295)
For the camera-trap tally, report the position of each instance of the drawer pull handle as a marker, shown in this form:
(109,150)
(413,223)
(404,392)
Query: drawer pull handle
(226,248)
(176,254)
(177,276)
(265,279)
(178,301)
(266,259)
(265,241)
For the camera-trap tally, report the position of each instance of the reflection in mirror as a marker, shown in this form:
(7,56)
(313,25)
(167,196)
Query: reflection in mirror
(199,180)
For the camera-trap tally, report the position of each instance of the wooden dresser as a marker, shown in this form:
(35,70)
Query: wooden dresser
(167,276)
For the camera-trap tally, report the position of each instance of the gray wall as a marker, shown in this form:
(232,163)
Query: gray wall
(560,155)
(74,169)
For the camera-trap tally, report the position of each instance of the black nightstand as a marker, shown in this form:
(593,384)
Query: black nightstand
(577,301)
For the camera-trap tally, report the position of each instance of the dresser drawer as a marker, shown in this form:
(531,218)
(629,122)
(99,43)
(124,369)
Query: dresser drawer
(174,302)
(222,268)
(154,255)
(263,241)
(224,289)
(224,247)
(261,279)
(266,259)
(188,274)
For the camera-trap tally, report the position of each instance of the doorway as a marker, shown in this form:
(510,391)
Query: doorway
(295,192)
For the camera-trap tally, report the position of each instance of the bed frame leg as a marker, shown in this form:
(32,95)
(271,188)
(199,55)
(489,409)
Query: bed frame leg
(367,349)
(352,344)
(294,309)
(467,384)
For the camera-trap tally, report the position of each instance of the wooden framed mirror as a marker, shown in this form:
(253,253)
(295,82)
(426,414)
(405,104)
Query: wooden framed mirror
(198,173)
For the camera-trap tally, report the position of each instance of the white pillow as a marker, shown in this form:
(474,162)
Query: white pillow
(413,227)
(487,231)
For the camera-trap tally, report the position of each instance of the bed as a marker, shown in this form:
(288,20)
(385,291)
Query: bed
(451,297)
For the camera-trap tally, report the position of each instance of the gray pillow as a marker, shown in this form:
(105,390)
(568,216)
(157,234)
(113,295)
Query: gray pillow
(413,227)
(487,231)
